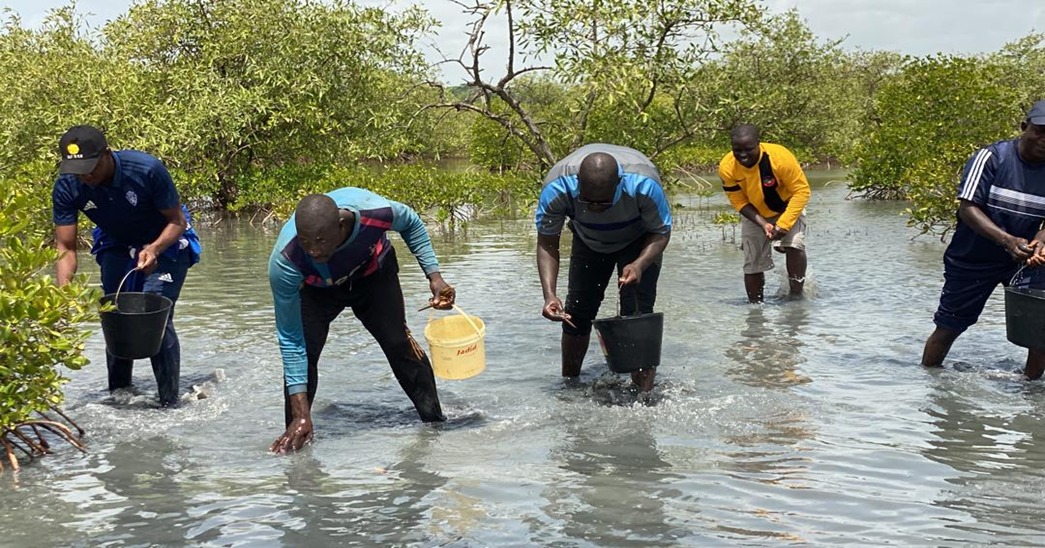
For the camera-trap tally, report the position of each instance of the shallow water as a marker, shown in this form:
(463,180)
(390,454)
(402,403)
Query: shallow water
(790,422)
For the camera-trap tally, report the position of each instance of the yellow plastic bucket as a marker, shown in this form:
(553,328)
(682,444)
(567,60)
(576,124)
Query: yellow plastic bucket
(456,345)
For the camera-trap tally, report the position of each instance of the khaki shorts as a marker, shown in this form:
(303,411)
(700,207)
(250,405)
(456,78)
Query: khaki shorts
(757,248)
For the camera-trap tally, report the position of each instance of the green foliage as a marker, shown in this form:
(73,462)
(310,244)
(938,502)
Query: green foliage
(452,196)
(233,83)
(694,155)
(252,103)
(40,323)
(929,120)
(798,90)
(1025,60)
(492,147)
(622,72)
(217,88)
(46,79)
(725,218)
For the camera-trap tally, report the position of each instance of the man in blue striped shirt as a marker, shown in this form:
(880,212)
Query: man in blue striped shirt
(620,219)
(1000,214)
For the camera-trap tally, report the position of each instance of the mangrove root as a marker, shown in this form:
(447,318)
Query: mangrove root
(28,437)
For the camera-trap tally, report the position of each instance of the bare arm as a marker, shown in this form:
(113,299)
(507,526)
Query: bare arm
(548,270)
(548,263)
(971,214)
(176,226)
(655,244)
(752,214)
(65,241)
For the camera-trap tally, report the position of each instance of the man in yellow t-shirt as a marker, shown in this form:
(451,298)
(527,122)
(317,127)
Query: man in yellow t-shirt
(768,188)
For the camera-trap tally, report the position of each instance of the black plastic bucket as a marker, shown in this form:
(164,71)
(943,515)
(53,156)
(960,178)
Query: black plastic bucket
(631,343)
(1025,317)
(135,329)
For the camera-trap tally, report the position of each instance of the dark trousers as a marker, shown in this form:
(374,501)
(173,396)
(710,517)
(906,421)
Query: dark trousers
(590,273)
(377,300)
(166,280)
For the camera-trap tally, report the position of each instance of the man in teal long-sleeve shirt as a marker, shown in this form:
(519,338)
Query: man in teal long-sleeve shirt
(333,254)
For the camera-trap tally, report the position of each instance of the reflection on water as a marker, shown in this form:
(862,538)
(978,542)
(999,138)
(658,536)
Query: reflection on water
(613,485)
(768,351)
(989,435)
(791,422)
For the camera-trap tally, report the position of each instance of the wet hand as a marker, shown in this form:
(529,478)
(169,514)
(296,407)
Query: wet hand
(554,311)
(1019,248)
(1037,258)
(298,434)
(443,294)
(768,229)
(630,274)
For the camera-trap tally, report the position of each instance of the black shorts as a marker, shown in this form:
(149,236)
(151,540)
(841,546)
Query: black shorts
(966,289)
(590,273)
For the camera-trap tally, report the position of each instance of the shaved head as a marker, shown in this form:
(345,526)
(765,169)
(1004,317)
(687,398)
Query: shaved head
(321,226)
(744,132)
(315,213)
(598,176)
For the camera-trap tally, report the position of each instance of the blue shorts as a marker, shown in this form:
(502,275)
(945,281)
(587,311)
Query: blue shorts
(966,289)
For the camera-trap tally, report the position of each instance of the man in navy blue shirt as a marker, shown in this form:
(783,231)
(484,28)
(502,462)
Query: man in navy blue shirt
(140,225)
(1000,214)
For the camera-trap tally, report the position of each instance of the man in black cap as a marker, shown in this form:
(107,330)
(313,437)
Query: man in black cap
(140,225)
(1000,214)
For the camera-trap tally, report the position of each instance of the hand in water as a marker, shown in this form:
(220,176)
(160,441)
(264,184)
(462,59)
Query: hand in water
(298,434)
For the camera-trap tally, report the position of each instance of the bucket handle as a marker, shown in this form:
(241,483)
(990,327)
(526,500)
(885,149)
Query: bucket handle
(467,318)
(620,295)
(1017,276)
(116,299)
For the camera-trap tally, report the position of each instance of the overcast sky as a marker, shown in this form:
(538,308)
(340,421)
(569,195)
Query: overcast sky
(916,27)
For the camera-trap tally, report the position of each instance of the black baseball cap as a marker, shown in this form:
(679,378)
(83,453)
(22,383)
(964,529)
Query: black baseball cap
(81,147)
(1036,114)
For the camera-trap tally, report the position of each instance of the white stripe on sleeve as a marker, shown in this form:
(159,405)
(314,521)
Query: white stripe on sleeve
(972,181)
